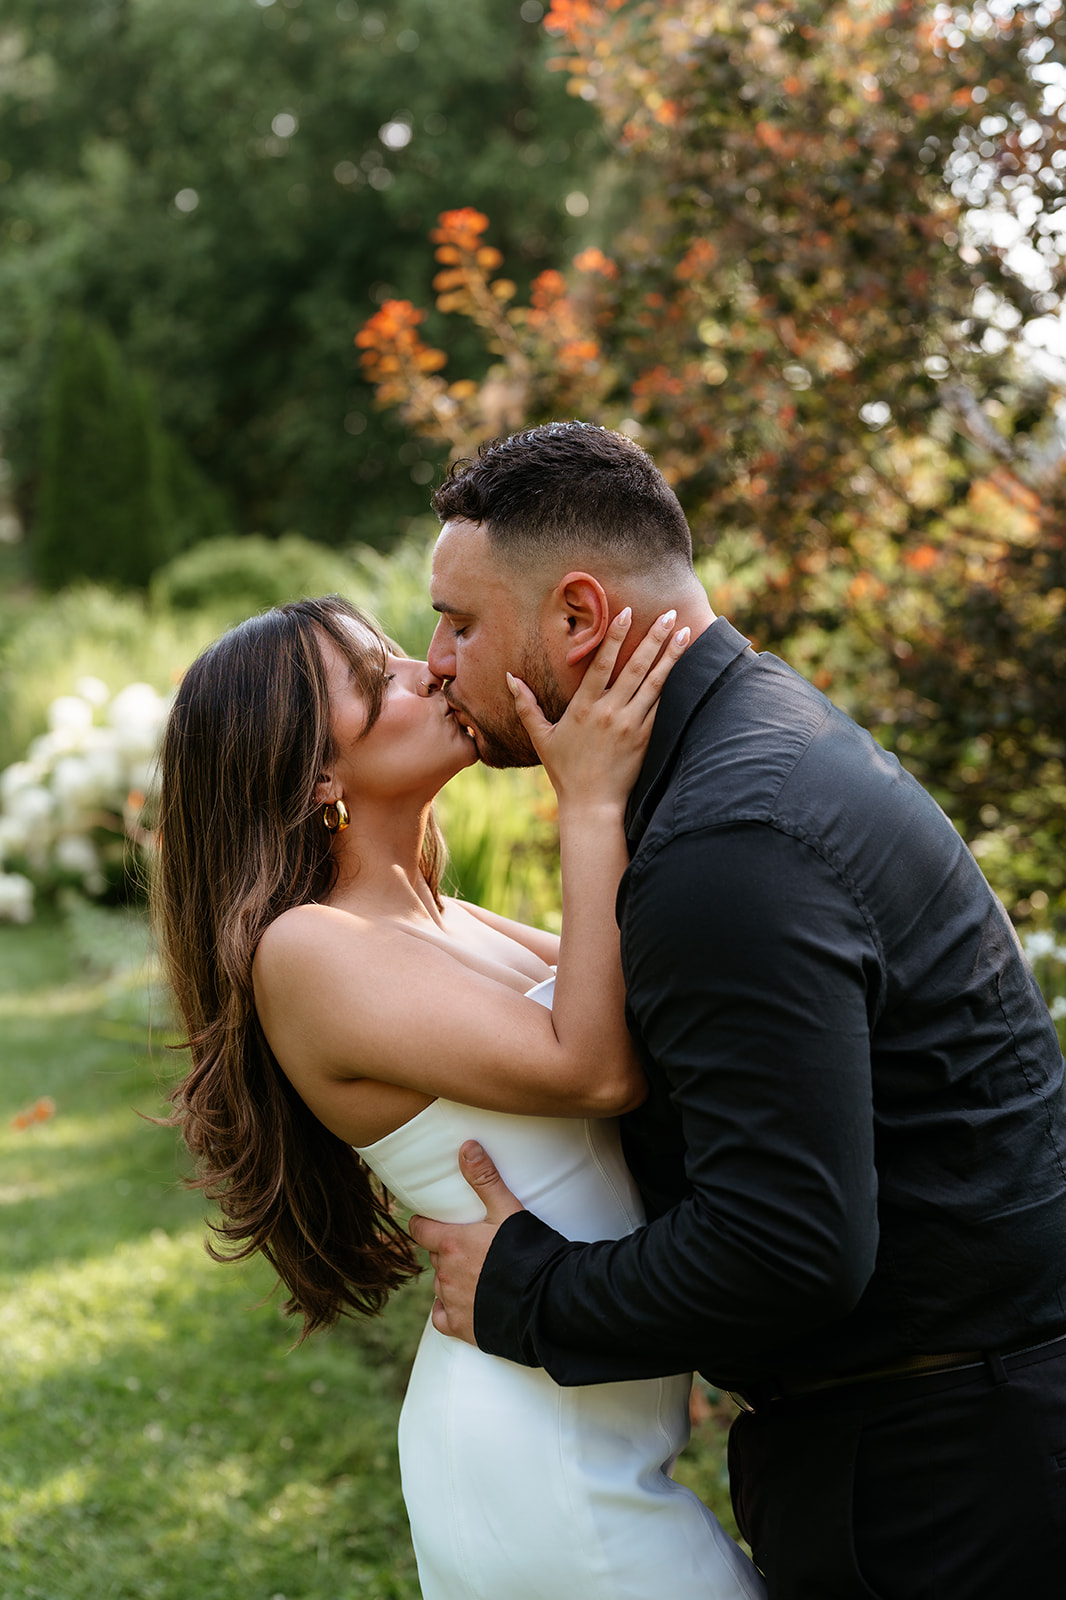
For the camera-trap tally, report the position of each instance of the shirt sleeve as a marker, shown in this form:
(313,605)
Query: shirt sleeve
(752,976)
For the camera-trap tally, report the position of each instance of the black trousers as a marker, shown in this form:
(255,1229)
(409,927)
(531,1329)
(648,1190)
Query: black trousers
(949,1487)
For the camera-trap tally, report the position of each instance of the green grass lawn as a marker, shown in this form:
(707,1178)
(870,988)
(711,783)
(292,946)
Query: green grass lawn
(159,1439)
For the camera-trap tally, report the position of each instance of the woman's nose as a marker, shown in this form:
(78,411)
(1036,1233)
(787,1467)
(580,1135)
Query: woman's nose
(428,682)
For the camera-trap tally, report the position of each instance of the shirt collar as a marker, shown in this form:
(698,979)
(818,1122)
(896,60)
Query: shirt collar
(700,672)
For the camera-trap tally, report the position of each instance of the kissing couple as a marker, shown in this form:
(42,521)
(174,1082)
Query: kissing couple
(782,1104)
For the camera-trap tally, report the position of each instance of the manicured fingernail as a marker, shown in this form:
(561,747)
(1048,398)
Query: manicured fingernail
(512,684)
(625,616)
(667,621)
(681,639)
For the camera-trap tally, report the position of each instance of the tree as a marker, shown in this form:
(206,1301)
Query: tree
(119,495)
(230,187)
(849,224)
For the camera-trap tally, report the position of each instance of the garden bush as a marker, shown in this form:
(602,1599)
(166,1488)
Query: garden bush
(232,578)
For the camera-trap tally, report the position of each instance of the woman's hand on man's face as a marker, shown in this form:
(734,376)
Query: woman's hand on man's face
(593,754)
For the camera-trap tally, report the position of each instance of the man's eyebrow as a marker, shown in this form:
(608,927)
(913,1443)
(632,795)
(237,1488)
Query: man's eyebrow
(449,610)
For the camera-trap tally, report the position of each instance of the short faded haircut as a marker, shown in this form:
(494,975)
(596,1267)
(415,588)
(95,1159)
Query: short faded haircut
(569,487)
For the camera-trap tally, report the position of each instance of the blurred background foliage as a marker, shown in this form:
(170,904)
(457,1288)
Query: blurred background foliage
(811,256)
(228,187)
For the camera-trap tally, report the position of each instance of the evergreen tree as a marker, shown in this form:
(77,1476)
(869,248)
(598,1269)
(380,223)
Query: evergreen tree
(118,495)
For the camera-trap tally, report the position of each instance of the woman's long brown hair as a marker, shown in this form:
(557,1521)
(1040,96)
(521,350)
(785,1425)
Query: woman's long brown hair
(240,840)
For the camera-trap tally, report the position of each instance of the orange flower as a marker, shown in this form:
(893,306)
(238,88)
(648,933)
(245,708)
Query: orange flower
(668,113)
(567,17)
(459,229)
(40,1111)
(864,586)
(576,354)
(389,342)
(697,260)
(547,288)
(594,260)
(394,323)
(658,382)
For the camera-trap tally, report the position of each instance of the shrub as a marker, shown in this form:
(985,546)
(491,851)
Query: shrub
(234,577)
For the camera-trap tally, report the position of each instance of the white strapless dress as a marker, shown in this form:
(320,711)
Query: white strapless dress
(518,1489)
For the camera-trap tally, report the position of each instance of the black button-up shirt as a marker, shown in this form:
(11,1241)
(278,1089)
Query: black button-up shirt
(854,1144)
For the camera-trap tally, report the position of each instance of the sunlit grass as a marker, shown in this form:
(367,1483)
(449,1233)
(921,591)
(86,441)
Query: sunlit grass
(157,1436)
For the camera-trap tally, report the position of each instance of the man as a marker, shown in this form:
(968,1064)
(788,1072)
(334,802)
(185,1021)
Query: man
(853,1152)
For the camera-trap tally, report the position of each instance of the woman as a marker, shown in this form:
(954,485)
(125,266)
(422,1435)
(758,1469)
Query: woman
(345,1018)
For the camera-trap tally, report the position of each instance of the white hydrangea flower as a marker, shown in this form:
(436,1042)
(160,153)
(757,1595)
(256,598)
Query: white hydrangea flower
(94,690)
(16,898)
(80,776)
(60,741)
(137,714)
(70,713)
(12,837)
(75,853)
(19,775)
(74,782)
(104,763)
(31,805)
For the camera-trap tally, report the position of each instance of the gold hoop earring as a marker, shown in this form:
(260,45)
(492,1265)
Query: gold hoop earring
(339,820)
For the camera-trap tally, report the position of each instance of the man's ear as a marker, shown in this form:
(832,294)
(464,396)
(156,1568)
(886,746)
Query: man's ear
(582,611)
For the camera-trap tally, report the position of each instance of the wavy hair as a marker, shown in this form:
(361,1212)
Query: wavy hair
(240,840)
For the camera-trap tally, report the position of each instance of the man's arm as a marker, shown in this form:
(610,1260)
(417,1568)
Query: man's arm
(749,967)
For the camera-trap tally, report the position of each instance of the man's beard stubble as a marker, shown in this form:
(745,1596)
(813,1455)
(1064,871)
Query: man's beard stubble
(503,743)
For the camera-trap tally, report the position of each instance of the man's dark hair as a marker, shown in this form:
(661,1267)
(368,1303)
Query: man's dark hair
(564,485)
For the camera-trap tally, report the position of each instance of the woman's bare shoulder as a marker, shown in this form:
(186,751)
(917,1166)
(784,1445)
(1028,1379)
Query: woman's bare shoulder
(304,933)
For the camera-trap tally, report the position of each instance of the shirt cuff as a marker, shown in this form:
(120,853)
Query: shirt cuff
(522,1247)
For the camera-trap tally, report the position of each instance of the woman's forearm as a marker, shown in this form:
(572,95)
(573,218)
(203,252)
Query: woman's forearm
(589,1005)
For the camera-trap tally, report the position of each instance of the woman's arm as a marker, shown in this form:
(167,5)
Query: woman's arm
(345,998)
(538,940)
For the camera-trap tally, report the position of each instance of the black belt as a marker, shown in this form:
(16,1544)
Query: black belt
(759,1395)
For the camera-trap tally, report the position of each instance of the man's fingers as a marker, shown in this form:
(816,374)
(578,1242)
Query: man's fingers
(440,1318)
(426,1232)
(480,1173)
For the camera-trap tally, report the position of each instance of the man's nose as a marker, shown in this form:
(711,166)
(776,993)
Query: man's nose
(440,657)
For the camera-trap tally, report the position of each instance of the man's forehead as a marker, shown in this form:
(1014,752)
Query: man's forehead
(465,570)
